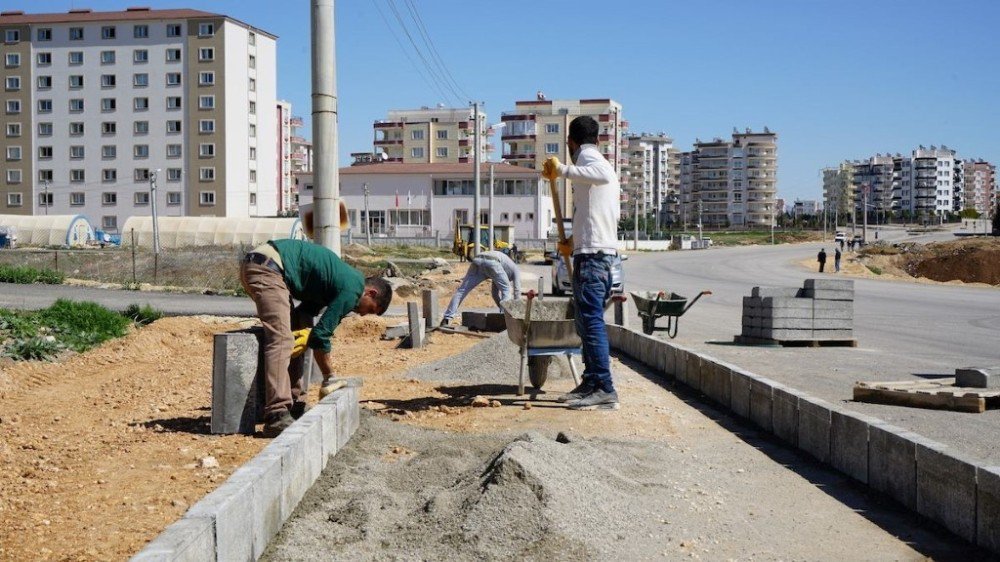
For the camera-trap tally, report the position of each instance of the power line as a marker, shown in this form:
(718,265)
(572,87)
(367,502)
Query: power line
(413,63)
(430,69)
(430,45)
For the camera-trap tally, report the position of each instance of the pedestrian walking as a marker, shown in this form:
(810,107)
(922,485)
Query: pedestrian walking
(492,265)
(594,247)
(821,258)
(836,260)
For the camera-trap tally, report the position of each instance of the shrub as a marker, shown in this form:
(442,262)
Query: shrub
(142,315)
(875,269)
(26,275)
(35,348)
(82,325)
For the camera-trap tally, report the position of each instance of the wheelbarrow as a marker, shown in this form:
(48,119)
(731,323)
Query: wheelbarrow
(653,305)
(543,330)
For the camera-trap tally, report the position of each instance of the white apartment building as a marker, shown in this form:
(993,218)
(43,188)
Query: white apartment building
(97,103)
(806,208)
(428,199)
(652,174)
(430,135)
(284,165)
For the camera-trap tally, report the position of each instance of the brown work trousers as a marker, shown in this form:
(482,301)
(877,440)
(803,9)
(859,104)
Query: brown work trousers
(284,380)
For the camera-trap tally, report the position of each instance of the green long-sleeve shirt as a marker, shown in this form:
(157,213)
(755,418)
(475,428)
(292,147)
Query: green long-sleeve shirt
(318,278)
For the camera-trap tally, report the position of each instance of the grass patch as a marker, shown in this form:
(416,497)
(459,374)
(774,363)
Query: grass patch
(25,275)
(410,252)
(745,238)
(142,315)
(76,326)
(875,269)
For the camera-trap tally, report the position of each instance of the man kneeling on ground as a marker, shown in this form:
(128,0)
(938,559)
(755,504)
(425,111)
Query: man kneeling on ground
(275,273)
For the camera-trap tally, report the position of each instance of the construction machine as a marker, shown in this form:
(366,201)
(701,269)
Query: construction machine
(503,241)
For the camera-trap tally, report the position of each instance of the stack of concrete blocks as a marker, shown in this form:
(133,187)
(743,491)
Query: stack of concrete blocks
(822,310)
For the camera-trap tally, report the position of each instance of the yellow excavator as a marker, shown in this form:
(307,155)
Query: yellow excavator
(503,241)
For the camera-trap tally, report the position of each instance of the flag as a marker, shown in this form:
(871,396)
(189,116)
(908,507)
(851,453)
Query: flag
(397,198)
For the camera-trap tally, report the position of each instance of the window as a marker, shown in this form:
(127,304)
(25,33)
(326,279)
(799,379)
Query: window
(206,29)
(14,200)
(13,153)
(173,198)
(140,31)
(207,197)
(206,174)
(13,106)
(442,152)
(206,102)
(530,216)
(141,197)
(76,57)
(109,222)
(12,36)
(253,198)
(252,63)
(107,57)
(45,106)
(44,152)
(108,32)
(109,198)
(76,34)
(109,152)
(44,130)
(13,176)
(45,175)
(76,105)
(141,174)
(517,216)
(109,104)
(140,151)
(44,82)
(417,152)
(551,148)
(552,128)
(253,176)
(77,176)
(174,102)
(206,53)
(253,108)
(173,55)
(442,134)
(76,128)
(206,126)
(173,30)
(206,149)
(140,127)
(76,152)
(504,217)
(13,82)
(108,81)
(44,34)
(417,134)
(109,175)
(140,80)
(14,129)
(173,79)
(253,85)
(140,56)
(44,199)
(206,78)
(77,199)
(173,174)
(12,60)
(140,104)
(252,38)
(173,126)
(43,59)
(253,152)
(173,151)
(76,81)
(253,130)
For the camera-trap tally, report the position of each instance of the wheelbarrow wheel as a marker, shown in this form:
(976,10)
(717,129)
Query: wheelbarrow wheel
(538,370)
(648,324)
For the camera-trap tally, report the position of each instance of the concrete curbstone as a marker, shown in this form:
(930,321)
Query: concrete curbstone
(263,474)
(680,364)
(237,381)
(711,379)
(946,488)
(614,336)
(300,448)
(739,384)
(326,414)
(988,507)
(892,463)
(189,539)
(785,414)
(828,294)
(814,427)
(670,361)
(761,403)
(692,372)
(831,284)
(230,507)
(849,443)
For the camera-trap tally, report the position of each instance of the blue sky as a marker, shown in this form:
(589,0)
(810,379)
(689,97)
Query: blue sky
(835,79)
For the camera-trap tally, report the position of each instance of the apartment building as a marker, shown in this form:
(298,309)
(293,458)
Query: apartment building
(537,129)
(980,186)
(803,208)
(302,148)
(652,174)
(96,104)
(427,135)
(873,184)
(838,191)
(730,183)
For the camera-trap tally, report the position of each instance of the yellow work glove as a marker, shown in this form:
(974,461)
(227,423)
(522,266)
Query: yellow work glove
(565,247)
(550,169)
(301,337)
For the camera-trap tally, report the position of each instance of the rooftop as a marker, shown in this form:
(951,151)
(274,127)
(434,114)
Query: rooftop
(83,15)
(436,168)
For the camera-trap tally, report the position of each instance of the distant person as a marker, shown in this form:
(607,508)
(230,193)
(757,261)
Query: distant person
(836,260)
(821,258)
(841,243)
(495,266)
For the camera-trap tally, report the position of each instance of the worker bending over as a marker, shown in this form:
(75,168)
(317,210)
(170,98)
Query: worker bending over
(495,266)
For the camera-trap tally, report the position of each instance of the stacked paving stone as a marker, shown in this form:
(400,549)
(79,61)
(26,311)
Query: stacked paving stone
(822,310)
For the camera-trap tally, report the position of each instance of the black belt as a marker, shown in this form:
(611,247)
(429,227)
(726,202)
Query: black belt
(266,261)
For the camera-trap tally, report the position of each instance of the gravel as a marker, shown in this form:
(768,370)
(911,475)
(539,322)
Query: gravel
(494,360)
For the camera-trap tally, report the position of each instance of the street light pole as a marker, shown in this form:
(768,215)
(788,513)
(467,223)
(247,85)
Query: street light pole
(489,224)
(368,219)
(46,196)
(152,207)
(326,199)
(477,196)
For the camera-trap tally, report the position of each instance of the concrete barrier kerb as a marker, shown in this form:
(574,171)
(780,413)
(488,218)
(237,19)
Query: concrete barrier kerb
(238,519)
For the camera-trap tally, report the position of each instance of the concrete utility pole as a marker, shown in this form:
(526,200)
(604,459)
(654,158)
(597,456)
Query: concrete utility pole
(635,223)
(699,220)
(477,196)
(368,220)
(326,205)
(864,211)
(152,207)
(45,197)
(489,223)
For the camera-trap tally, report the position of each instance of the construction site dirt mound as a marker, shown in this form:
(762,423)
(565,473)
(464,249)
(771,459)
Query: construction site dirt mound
(969,261)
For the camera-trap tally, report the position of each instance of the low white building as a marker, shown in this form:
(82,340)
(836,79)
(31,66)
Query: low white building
(428,199)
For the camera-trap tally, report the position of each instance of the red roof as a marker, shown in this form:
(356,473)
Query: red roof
(402,168)
(135,14)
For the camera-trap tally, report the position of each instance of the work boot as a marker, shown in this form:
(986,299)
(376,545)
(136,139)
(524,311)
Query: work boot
(330,385)
(596,400)
(585,387)
(276,422)
(298,409)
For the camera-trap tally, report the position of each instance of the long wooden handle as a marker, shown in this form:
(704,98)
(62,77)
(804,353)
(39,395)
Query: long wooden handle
(557,207)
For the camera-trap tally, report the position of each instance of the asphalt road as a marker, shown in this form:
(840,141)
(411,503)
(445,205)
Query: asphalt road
(35,297)
(906,331)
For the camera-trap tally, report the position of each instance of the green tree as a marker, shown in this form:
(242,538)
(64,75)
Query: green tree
(970,214)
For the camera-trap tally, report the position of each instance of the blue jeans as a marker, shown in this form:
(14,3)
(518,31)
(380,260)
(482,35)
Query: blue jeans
(591,289)
(481,269)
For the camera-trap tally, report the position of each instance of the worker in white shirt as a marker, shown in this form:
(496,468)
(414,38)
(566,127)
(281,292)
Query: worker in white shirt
(492,265)
(594,245)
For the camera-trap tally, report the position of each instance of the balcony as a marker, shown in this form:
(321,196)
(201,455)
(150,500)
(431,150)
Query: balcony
(388,124)
(388,142)
(531,136)
(523,156)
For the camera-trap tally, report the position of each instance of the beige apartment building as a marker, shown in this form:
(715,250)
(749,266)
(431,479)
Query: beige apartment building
(427,135)
(652,174)
(838,192)
(97,104)
(980,186)
(536,129)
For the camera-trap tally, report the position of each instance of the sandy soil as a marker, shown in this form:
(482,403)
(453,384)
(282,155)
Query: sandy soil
(100,451)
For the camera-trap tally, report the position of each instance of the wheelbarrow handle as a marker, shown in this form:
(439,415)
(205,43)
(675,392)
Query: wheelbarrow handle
(695,299)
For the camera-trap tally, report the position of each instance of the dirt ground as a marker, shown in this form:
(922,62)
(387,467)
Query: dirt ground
(101,450)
